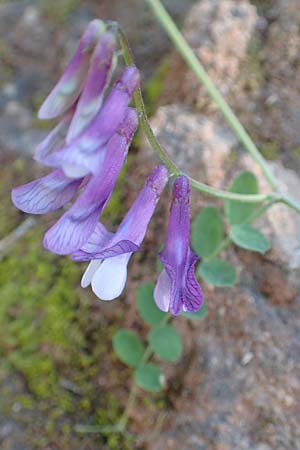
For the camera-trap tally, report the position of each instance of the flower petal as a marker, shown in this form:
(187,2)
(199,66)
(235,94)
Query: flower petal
(178,279)
(74,228)
(100,237)
(133,228)
(162,291)
(109,280)
(54,140)
(104,250)
(193,297)
(89,149)
(134,225)
(45,194)
(90,272)
(68,88)
(176,249)
(97,79)
(74,171)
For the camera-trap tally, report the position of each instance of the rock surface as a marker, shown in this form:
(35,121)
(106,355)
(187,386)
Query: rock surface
(282,84)
(242,393)
(219,31)
(199,146)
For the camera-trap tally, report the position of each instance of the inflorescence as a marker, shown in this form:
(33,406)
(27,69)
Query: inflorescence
(86,152)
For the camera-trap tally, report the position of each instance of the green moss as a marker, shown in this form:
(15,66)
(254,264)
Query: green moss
(61,11)
(7,65)
(47,334)
(53,338)
(154,87)
(263,6)
(270,151)
(252,69)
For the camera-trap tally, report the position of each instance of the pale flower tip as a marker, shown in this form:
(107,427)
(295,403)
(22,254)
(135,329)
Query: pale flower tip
(91,34)
(90,272)
(68,88)
(110,278)
(97,80)
(162,292)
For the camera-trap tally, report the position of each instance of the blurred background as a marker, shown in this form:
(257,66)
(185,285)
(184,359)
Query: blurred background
(237,386)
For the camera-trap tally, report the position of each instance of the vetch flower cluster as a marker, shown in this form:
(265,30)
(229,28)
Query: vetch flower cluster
(86,152)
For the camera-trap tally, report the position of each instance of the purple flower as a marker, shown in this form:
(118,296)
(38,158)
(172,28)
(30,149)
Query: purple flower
(73,229)
(177,289)
(97,79)
(85,154)
(46,194)
(53,191)
(54,140)
(109,253)
(90,101)
(68,88)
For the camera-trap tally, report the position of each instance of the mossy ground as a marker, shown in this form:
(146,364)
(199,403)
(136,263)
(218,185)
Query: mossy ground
(55,341)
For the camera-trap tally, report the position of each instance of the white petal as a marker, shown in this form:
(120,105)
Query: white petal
(89,272)
(109,280)
(74,171)
(162,291)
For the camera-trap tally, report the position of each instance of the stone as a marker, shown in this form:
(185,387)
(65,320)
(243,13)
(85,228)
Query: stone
(198,145)
(219,32)
(226,404)
(283,71)
(282,225)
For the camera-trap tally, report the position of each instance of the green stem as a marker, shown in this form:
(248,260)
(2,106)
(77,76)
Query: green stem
(133,391)
(139,103)
(99,428)
(286,200)
(197,185)
(130,402)
(226,195)
(192,61)
(201,187)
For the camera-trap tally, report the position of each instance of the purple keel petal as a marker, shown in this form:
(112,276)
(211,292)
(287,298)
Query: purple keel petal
(178,288)
(177,246)
(45,194)
(193,297)
(98,77)
(68,88)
